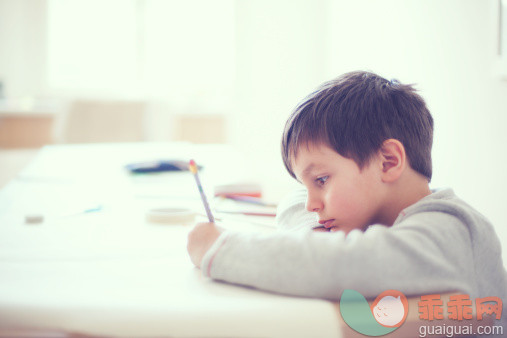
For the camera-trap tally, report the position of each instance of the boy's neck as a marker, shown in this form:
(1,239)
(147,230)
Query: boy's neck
(408,190)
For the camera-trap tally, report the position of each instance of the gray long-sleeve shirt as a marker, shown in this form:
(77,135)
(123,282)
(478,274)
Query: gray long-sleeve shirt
(439,244)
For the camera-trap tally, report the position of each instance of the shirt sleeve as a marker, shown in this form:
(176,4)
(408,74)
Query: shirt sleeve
(426,252)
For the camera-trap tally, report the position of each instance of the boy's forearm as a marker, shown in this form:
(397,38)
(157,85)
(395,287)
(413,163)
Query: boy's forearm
(323,265)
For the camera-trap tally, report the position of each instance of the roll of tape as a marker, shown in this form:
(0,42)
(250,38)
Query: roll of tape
(171,215)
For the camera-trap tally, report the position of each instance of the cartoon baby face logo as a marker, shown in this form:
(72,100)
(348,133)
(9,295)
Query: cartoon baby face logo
(390,308)
(386,314)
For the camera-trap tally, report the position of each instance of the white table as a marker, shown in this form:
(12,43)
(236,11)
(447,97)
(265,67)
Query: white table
(113,273)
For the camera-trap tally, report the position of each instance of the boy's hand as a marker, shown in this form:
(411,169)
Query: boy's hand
(200,239)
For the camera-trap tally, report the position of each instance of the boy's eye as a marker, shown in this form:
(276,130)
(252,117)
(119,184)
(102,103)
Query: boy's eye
(321,180)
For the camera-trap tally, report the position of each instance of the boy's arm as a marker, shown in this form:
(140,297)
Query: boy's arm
(291,215)
(428,252)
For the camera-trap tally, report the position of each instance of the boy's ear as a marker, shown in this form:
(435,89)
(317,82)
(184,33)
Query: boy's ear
(393,159)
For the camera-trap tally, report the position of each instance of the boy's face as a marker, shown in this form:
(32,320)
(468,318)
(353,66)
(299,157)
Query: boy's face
(344,197)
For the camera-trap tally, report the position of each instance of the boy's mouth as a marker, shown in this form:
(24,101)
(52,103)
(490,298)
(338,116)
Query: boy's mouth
(327,223)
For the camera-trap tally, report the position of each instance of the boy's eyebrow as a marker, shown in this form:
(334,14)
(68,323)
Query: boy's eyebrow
(306,171)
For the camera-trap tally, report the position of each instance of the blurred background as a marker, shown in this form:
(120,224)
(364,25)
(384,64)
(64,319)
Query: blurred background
(231,71)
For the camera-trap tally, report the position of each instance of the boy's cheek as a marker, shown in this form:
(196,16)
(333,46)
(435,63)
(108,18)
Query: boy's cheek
(340,206)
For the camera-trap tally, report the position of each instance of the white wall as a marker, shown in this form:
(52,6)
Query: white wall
(281,56)
(23,47)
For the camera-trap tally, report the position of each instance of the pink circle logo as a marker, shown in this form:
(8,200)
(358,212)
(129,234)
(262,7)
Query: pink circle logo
(390,308)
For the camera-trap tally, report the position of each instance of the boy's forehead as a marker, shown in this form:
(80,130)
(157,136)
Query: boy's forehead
(310,157)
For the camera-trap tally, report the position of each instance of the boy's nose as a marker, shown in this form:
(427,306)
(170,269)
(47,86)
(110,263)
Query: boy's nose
(313,204)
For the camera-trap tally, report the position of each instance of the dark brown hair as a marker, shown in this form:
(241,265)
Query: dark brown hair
(355,113)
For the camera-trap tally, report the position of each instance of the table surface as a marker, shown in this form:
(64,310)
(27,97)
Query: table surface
(113,273)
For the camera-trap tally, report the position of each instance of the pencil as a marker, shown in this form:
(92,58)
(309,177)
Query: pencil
(193,168)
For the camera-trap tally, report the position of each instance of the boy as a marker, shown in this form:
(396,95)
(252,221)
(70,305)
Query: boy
(361,145)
